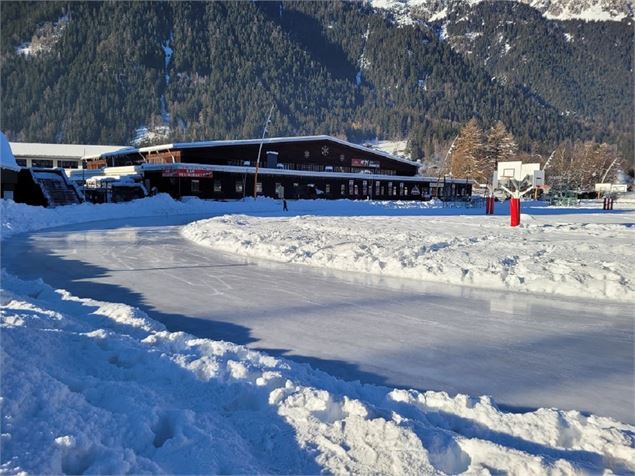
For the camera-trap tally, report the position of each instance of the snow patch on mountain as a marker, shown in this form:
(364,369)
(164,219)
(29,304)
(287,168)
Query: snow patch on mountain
(45,38)
(408,11)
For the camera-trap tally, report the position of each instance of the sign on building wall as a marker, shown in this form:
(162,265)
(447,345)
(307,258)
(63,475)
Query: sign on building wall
(365,163)
(187,172)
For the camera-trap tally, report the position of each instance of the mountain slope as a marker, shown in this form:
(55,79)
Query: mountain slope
(211,70)
(583,69)
(587,10)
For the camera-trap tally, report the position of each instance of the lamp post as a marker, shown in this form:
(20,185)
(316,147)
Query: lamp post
(264,132)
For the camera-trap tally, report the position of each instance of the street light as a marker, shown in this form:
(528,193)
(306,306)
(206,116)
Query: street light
(264,131)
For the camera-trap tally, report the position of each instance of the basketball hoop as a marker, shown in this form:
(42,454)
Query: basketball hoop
(517,179)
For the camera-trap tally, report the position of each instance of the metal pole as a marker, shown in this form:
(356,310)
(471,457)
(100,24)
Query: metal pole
(264,131)
(608,170)
(84,174)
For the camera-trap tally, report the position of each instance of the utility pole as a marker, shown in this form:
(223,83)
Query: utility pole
(264,132)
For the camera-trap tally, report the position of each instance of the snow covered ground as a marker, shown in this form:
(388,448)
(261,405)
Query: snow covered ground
(98,387)
(569,255)
(95,387)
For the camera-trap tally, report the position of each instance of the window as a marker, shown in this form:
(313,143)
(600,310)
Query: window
(377,185)
(364,187)
(195,186)
(356,190)
(42,163)
(239,186)
(343,189)
(327,188)
(21,162)
(217,186)
(351,187)
(258,187)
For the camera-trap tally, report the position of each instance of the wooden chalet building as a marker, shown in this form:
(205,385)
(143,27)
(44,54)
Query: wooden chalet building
(290,167)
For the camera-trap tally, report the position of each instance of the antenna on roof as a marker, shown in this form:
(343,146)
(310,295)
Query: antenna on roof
(264,132)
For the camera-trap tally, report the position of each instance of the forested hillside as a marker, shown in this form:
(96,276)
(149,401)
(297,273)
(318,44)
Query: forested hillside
(583,69)
(96,72)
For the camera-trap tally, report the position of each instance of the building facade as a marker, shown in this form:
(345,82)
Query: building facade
(289,167)
(63,156)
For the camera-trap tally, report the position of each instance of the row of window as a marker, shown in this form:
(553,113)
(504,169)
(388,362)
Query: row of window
(354,188)
(336,168)
(319,168)
(48,164)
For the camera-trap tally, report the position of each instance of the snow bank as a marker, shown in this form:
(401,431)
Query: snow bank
(96,387)
(18,217)
(580,259)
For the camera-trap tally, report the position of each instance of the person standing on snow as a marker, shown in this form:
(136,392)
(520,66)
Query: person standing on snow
(284,206)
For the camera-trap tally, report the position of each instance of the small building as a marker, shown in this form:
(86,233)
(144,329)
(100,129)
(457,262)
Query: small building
(289,167)
(64,156)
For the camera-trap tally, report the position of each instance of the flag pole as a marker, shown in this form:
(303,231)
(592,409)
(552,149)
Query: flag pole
(264,132)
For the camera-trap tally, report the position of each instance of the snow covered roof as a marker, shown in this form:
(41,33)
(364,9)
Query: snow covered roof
(71,151)
(7,159)
(273,140)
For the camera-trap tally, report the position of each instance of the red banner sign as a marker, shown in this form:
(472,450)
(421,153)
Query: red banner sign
(187,172)
(365,163)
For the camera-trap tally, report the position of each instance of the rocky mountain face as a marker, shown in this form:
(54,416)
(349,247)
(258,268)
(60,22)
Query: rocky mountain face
(160,71)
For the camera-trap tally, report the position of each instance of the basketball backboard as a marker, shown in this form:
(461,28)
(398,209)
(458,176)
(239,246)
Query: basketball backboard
(516,170)
(509,170)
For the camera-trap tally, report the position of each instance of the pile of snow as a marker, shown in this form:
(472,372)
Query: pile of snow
(580,259)
(96,387)
(18,217)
